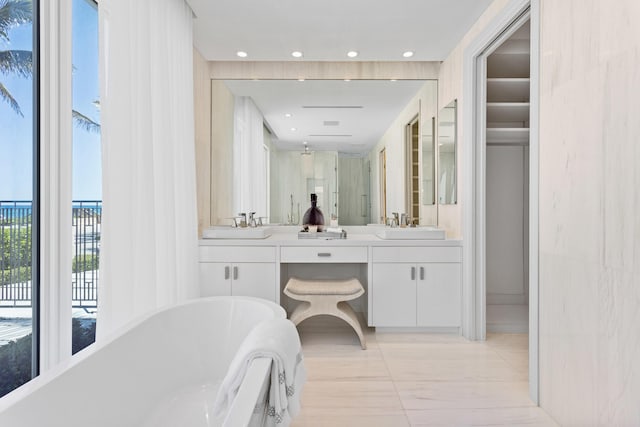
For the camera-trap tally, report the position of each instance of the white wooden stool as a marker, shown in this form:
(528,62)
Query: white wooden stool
(326,297)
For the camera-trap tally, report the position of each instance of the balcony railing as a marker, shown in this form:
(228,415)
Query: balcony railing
(15,253)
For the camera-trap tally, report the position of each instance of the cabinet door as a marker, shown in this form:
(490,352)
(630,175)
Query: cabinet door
(215,279)
(394,294)
(254,279)
(438,294)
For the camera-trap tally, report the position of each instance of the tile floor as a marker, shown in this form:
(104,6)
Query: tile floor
(414,379)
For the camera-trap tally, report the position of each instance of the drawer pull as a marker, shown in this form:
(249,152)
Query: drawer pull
(324,254)
(421,273)
(413,273)
(235,273)
(226,273)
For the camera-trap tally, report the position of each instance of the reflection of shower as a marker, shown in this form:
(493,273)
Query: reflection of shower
(307,161)
(291,217)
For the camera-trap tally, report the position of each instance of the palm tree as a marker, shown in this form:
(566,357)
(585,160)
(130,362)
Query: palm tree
(12,14)
(85,122)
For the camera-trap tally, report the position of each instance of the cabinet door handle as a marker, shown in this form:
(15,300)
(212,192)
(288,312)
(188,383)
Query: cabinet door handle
(413,273)
(235,273)
(226,273)
(421,273)
(324,254)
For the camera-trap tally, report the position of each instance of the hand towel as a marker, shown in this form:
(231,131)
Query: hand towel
(278,340)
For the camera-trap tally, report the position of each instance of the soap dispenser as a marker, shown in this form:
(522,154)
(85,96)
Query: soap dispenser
(313,215)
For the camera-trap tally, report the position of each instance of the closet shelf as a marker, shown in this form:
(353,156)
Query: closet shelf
(508,65)
(514,47)
(507,112)
(505,89)
(507,136)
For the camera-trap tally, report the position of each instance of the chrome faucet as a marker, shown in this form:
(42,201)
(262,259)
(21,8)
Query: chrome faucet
(395,219)
(243,219)
(252,219)
(404,220)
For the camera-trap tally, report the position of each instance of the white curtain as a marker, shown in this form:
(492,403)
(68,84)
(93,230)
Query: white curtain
(249,162)
(149,228)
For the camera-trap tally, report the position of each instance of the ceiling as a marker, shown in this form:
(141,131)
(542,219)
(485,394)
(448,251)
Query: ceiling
(334,115)
(379,30)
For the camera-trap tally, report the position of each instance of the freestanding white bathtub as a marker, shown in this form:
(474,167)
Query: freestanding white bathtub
(163,371)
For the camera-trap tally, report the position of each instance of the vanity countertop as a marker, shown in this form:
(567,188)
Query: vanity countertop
(356,236)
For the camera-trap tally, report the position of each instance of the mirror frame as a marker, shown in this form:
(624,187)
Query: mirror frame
(452,198)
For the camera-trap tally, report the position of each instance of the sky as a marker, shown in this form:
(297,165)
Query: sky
(16,136)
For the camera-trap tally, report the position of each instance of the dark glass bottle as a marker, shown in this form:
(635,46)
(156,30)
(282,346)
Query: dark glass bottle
(313,215)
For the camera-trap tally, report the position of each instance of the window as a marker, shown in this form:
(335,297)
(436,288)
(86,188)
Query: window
(18,193)
(87,184)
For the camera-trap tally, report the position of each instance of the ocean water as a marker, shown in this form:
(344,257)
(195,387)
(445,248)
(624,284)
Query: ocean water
(22,209)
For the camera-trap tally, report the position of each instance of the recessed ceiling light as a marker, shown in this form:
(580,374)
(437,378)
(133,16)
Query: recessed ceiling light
(393,80)
(300,79)
(241,54)
(408,54)
(296,54)
(293,129)
(287,115)
(347,80)
(352,54)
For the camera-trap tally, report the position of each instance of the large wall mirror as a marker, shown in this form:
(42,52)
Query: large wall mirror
(292,138)
(447,136)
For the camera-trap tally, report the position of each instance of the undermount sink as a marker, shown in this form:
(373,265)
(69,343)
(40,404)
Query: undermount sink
(417,233)
(236,233)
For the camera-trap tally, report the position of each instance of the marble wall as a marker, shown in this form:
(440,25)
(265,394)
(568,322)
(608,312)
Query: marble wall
(221,171)
(202,126)
(450,87)
(353,190)
(589,204)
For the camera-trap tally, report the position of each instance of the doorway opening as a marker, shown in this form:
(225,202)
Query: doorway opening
(498,115)
(507,183)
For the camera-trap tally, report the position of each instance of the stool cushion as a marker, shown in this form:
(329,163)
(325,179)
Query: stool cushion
(323,287)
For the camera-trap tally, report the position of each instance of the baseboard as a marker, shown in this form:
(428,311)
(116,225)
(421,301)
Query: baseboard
(430,330)
(508,328)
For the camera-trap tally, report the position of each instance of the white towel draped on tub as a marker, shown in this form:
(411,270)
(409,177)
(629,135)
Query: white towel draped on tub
(278,340)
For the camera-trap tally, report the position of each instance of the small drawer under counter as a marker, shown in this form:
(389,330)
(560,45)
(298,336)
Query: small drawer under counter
(237,254)
(323,254)
(417,254)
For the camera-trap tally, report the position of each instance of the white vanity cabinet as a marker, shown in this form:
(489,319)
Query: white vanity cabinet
(416,286)
(393,294)
(238,270)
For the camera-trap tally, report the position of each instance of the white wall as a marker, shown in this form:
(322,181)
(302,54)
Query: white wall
(507,231)
(450,87)
(202,126)
(589,212)
(393,141)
